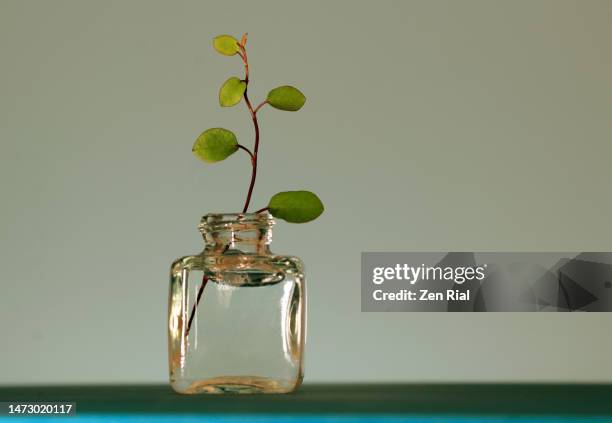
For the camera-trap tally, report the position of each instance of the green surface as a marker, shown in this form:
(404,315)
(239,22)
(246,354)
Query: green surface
(440,399)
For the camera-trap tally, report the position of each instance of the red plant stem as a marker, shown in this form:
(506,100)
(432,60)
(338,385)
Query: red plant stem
(253,112)
(195,305)
(242,147)
(199,297)
(263,210)
(255,151)
(263,103)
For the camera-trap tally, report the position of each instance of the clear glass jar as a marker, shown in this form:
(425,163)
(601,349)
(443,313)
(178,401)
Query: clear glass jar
(236,315)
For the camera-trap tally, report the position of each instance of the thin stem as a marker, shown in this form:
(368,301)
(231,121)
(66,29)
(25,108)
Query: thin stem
(263,103)
(242,147)
(245,60)
(195,305)
(256,149)
(263,210)
(243,55)
(200,292)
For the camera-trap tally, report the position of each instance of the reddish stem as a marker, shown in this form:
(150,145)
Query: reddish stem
(195,305)
(263,210)
(253,112)
(255,151)
(242,147)
(263,103)
(200,292)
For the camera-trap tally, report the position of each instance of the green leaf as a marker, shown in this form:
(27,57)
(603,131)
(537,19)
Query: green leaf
(286,98)
(295,206)
(231,92)
(226,44)
(215,144)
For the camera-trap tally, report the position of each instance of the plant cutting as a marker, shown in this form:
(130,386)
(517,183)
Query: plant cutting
(217,144)
(236,311)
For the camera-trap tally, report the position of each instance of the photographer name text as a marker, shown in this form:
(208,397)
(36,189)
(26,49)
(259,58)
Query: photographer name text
(415,274)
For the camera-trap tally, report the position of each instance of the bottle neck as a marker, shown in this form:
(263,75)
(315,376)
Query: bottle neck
(246,233)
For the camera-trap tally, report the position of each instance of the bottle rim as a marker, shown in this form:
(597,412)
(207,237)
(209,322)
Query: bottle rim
(214,222)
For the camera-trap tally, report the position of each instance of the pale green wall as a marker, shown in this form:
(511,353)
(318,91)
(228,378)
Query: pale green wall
(430,125)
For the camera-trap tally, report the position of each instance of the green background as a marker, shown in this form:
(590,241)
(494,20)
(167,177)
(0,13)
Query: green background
(429,126)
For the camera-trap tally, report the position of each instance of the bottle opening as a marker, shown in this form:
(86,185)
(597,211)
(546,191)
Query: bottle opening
(215,222)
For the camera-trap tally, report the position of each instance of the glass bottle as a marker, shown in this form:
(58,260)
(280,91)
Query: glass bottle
(236,315)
